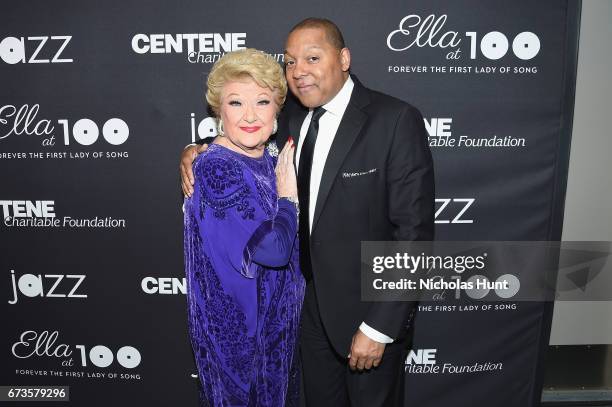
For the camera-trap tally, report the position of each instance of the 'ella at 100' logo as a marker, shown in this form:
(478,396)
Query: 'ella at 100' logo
(428,32)
(25,121)
(32,344)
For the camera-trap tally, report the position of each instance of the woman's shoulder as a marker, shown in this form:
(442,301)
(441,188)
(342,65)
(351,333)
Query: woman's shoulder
(220,172)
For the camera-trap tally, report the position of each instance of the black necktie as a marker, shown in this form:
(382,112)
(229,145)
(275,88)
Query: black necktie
(304,169)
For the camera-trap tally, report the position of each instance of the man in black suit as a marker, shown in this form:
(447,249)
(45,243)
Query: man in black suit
(365,173)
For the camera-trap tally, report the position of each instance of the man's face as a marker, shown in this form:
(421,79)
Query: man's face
(315,70)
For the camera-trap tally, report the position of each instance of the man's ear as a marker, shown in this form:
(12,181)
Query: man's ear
(345,59)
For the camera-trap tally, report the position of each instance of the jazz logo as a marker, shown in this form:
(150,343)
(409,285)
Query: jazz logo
(30,285)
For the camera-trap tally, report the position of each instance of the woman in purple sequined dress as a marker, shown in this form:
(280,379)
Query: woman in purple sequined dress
(244,285)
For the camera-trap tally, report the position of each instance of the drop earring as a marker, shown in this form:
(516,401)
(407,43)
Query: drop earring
(220,128)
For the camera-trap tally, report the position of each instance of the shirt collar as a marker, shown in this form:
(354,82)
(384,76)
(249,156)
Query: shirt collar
(338,104)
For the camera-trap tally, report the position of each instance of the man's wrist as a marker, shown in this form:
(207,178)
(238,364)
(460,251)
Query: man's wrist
(373,334)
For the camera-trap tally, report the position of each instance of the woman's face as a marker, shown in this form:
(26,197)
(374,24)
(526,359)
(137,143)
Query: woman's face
(248,112)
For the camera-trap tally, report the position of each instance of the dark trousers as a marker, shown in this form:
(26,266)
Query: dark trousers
(328,380)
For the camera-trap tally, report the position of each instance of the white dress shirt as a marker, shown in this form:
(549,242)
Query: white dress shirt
(328,126)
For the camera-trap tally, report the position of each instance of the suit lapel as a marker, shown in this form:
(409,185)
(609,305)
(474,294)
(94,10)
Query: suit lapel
(350,126)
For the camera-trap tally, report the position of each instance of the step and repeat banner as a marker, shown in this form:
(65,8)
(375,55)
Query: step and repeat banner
(99,99)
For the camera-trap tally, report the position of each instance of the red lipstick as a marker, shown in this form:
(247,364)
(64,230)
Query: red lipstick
(250,129)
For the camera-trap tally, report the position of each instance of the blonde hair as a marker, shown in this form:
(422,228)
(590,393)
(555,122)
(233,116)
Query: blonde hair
(252,63)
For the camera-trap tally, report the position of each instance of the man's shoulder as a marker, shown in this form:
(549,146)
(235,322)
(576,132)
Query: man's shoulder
(387,103)
(384,108)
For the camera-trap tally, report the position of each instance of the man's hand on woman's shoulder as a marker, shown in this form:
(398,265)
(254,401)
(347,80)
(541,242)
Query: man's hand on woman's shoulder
(188,156)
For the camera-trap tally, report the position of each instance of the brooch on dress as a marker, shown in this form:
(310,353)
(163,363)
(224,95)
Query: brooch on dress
(272,148)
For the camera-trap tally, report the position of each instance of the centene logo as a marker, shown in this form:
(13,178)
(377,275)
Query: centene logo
(177,43)
(439,131)
(27,209)
(163,285)
(421,361)
(421,357)
(31,286)
(14,50)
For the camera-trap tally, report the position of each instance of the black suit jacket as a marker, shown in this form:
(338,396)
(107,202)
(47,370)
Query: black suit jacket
(384,139)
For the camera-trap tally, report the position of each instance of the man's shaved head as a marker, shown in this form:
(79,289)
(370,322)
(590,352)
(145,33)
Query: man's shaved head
(332,32)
